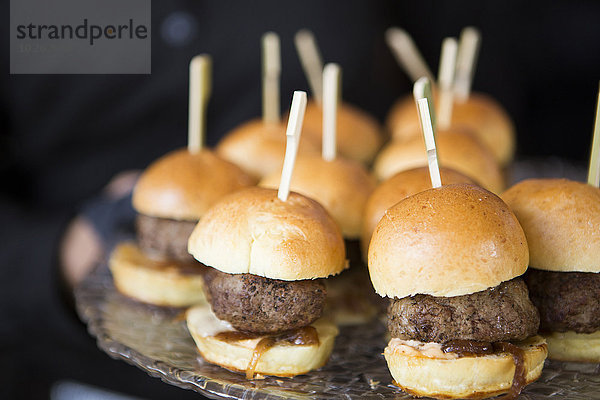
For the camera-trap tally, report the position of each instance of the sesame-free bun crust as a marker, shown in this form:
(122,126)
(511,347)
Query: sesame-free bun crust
(573,346)
(182,185)
(252,231)
(456,149)
(359,135)
(259,148)
(396,188)
(280,360)
(561,220)
(480,113)
(162,283)
(341,186)
(465,377)
(448,241)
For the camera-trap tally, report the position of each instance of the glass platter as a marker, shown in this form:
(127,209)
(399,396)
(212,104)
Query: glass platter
(157,341)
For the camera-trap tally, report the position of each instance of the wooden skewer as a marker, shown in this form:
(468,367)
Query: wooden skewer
(422,90)
(445,81)
(407,54)
(312,63)
(331,96)
(594,169)
(294,129)
(270,77)
(425,120)
(468,49)
(200,82)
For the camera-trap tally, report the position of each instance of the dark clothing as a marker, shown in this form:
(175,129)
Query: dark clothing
(62,137)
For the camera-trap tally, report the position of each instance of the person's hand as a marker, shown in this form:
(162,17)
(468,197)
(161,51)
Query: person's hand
(81,246)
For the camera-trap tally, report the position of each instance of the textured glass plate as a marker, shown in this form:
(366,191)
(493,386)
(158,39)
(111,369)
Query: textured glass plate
(157,341)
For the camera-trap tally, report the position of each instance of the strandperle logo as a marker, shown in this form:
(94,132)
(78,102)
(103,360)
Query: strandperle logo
(80,37)
(84,31)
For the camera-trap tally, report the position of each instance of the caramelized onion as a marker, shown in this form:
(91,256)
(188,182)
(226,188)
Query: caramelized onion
(305,336)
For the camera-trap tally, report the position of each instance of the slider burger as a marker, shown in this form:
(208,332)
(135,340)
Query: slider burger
(480,113)
(460,318)
(457,148)
(258,147)
(268,258)
(170,197)
(561,220)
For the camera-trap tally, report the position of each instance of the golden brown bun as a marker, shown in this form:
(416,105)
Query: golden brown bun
(572,346)
(561,220)
(280,360)
(480,113)
(457,149)
(396,188)
(465,377)
(259,148)
(449,241)
(341,186)
(182,186)
(359,135)
(252,231)
(162,283)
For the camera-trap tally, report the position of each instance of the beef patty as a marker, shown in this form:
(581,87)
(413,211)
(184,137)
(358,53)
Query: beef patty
(568,301)
(261,305)
(501,313)
(163,237)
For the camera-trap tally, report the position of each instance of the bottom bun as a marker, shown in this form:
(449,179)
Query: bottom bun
(432,373)
(572,346)
(162,283)
(283,359)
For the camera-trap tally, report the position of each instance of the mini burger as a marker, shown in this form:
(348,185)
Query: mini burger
(561,220)
(479,113)
(460,318)
(268,259)
(170,197)
(457,148)
(258,147)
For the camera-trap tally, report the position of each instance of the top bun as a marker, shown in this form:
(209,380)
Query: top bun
(398,187)
(480,113)
(252,231)
(456,148)
(449,241)
(182,186)
(561,220)
(259,148)
(341,186)
(359,134)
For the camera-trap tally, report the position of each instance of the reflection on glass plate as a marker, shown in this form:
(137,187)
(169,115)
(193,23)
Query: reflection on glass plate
(157,341)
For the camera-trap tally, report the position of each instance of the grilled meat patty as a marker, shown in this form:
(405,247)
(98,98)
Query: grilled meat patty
(501,313)
(568,301)
(164,238)
(261,305)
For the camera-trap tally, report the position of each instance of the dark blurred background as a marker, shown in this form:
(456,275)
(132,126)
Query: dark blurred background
(64,136)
